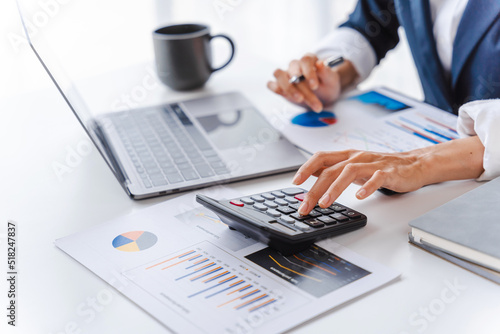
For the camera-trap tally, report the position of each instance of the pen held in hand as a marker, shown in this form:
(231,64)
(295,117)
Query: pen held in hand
(330,62)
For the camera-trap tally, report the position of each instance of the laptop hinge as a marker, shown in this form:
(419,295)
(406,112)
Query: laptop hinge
(119,172)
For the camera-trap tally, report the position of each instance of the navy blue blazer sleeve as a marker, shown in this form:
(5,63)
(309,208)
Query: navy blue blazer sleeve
(376,20)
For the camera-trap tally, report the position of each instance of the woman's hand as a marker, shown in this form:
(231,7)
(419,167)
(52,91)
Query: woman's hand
(401,172)
(322,85)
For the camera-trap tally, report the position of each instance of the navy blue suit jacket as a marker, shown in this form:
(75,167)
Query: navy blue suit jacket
(475,70)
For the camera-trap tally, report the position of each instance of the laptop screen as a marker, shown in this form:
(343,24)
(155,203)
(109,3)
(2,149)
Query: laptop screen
(78,41)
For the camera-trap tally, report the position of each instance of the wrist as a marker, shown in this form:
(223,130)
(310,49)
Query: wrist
(458,159)
(428,165)
(347,74)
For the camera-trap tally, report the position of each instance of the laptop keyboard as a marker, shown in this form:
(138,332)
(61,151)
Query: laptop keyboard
(166,148)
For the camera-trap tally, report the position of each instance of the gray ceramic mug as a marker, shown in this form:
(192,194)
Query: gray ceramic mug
(184,56)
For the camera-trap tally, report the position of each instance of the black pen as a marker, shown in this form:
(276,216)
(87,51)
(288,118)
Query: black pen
(329,62)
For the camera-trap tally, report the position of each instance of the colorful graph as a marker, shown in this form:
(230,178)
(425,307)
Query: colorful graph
(206,281)
(314,119)
(381,100)
(134,241)
(315,270)
(425,128)
(211,279)
(399,132)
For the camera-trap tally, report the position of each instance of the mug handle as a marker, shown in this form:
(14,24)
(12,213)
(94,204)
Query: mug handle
(232,51)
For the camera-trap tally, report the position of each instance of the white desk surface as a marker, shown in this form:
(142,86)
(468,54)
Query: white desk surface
(56,292)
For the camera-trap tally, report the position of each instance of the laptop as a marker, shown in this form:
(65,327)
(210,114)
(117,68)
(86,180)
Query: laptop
(178,146)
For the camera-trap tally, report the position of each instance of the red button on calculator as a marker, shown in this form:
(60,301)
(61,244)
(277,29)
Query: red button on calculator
(300,197)
(237,202)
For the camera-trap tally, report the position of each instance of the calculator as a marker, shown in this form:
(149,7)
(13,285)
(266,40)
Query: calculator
(272,217)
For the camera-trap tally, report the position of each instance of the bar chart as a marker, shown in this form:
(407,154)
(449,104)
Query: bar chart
(204,279)
(399,132)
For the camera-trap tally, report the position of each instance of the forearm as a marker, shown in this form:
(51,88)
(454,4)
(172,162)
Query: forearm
(455,160)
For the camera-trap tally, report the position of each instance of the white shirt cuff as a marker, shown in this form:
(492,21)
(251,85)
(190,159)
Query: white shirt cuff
(482,118)
(351,45)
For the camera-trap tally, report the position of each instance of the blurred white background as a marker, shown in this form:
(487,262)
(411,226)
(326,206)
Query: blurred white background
(264,30)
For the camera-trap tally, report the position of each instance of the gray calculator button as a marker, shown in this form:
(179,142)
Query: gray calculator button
(261,207)
(273,213)
(278,194)
(292,191)
(247,200)
(302,226)
(271,205)
(258,198)
(291,200)
(287,220)
(281,202)
(268,196)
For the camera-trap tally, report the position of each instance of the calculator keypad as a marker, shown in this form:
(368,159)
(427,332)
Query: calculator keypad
(272,217)
(283,205)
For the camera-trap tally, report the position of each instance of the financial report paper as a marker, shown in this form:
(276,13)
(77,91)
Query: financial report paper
(187,269)
(379,121)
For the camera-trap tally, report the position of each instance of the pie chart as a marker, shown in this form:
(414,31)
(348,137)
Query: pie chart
(134,241)
(314,120)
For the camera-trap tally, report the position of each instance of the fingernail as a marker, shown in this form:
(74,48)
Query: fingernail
(317,108)
(313,84)
(296,179)
(361,193)
(303,209)
(325,200)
